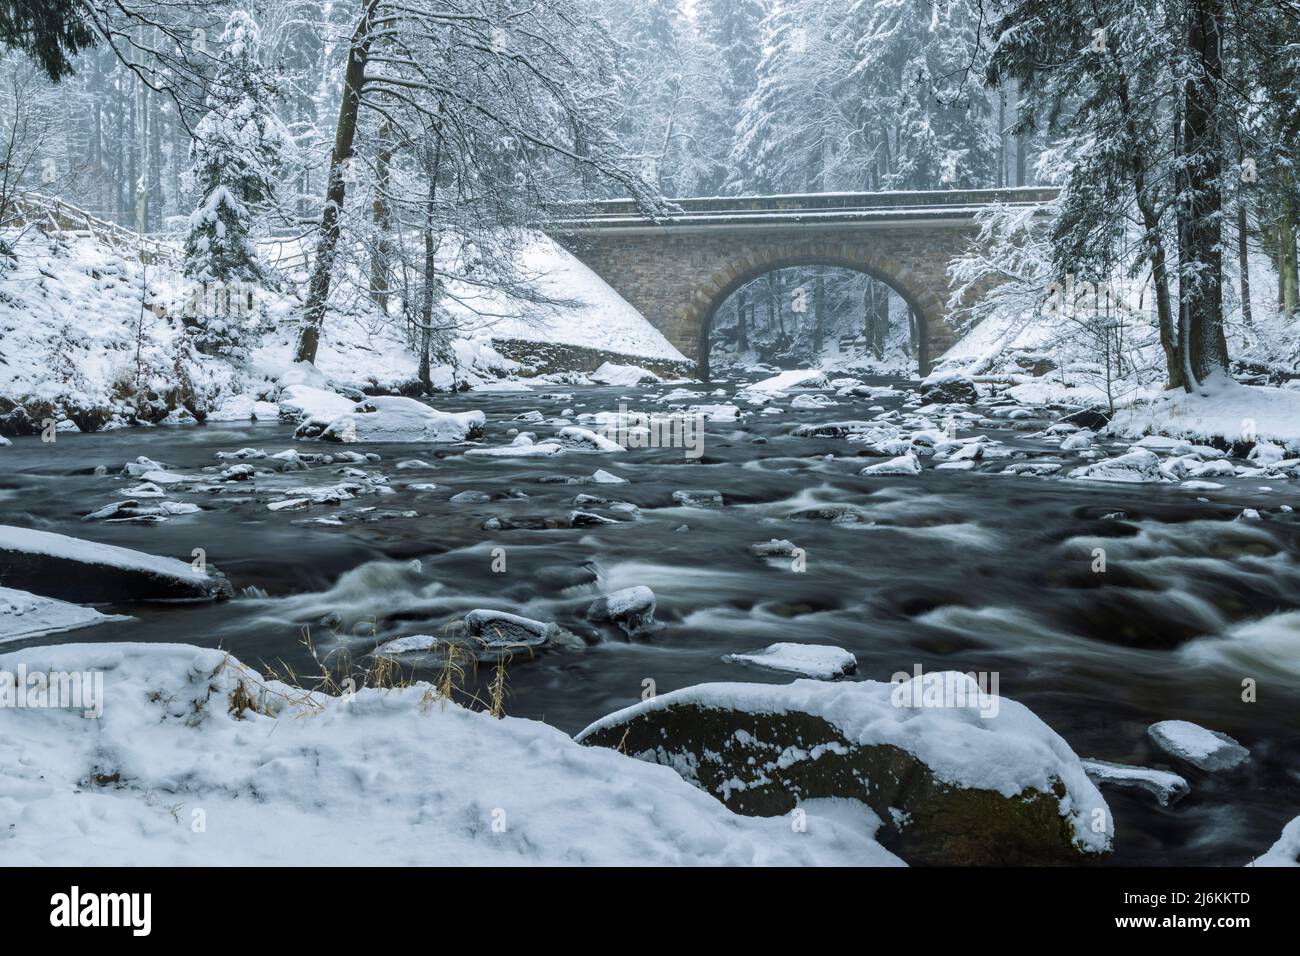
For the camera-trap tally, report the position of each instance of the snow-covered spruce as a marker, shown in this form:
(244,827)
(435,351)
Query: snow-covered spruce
(73,569)
(818,661)
(391,418)
(407,779)
(951,785)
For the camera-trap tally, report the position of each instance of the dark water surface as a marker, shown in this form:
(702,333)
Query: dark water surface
(973,571)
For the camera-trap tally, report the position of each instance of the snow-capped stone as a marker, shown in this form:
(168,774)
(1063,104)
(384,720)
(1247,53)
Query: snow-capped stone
(773,548)
(392,418)
(602,477)
(795,378)
(24,615)
(626,375)
(1166,787)
(1079,441)
(74,569)
(1204,749)
(948,388)
(951,785)
(698,498)
(297,402)
(817,661)
(907,464)
(1286,851)
(632,609)
(1138,466)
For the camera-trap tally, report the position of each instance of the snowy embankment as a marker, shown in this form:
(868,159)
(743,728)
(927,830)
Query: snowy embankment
(198,760)
(93,339)
(596,318)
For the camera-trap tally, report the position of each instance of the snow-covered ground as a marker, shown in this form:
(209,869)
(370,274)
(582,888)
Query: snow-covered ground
(90,336)
(199,760)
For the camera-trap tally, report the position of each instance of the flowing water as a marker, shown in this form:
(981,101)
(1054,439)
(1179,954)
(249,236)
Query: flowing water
(973,571)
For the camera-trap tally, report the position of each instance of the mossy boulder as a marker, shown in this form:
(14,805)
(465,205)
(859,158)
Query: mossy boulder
(762,757)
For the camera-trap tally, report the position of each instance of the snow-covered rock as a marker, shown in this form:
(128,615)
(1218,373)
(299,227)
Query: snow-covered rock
(1166,787)
(392,418)
(1286,851)
(610,373)
(907,464)
(24,615)
(1202,748)
(698,498)
(951,785)
(795,378)
(632,609)
(818,661)
(1138,466)
(298,402)
(185,728)
(74,569)
(949,387)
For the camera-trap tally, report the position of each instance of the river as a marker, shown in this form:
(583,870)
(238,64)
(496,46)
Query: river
(974,571)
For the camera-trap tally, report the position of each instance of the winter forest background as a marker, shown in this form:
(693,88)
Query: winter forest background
(219,127)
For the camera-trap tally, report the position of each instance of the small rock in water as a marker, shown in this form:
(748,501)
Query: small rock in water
(603,477)
(632,609)
(1204,749)
(773,548)
(470,496)
(698,499)
(819,661)
(1166,787)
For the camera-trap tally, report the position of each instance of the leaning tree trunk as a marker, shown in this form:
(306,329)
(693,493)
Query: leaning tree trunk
(318,289)
(1200,289)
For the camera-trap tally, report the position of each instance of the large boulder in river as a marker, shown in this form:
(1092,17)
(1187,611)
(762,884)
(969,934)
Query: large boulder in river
(949,388)
(391,418)
(73,569)
(979,781)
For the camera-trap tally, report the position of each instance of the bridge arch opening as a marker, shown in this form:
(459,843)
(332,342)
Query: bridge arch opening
(801,312)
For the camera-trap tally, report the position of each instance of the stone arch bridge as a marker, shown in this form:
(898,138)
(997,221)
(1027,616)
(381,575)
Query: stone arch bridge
(678,269)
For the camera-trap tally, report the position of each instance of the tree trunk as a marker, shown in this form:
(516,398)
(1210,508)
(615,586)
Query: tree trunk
(382,219)
(1288,280)
(318,288)
(1200,287)
(1243,262)
(431,241)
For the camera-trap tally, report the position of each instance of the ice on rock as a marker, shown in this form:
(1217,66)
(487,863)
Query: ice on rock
(818,661)
(603,477)
(1204,749)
